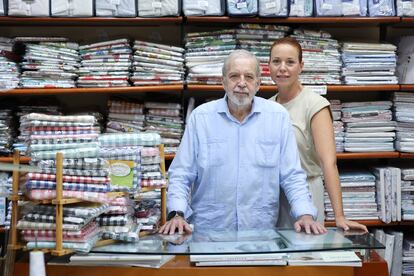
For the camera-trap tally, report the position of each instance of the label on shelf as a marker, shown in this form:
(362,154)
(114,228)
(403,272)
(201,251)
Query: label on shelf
(318,89)
(241,5)
(270,5)
(157,5)
(203,4)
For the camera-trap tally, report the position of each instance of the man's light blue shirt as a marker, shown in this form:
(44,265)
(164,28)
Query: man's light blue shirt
(227,174)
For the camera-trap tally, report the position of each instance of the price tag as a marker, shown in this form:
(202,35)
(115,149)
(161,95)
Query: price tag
(157,5)
(203,4)
(241,5)
(270,5)
(326,6)
(115,2)
(318,89)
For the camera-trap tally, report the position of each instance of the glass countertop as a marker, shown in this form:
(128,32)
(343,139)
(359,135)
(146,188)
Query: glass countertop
(244,242)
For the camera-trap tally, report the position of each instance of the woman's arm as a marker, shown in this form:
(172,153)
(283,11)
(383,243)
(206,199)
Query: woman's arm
(324,140)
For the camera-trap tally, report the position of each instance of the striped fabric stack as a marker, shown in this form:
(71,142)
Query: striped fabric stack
(205,54)
(257,39)
(125,116)
(80,231)
(9,72)
(118,222)
(105,64)
(157,64)
(338,125)
(165,119)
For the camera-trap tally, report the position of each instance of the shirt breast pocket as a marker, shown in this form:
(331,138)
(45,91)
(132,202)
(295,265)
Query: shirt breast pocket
(217,152)
(267,153)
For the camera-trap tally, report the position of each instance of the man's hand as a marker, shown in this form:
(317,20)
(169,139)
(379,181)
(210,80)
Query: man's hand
(176,223)
(307,224)
(345,224)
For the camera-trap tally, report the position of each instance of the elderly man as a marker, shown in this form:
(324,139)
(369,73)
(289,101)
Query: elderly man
(235,155)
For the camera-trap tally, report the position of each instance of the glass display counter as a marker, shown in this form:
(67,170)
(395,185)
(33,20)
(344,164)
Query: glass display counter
(268,251)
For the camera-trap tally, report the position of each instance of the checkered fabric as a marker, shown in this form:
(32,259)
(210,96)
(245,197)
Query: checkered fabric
(35,142)
(153,182)
(69,153)
(83,247)
(53,124)
(59,118)
(89,228)
(70,178)
(35,217)
(89,210)
(81,163)
(83,238)
(105,220)
(164,112)
(41,184)
(124,237)
(138,139)
(150,151)
(51,194)
(33,148)
(75,172)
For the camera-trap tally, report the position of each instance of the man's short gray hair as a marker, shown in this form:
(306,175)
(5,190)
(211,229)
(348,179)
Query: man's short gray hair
(236,54)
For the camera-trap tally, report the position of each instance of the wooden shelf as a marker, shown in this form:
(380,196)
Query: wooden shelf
(108,90)
(331,88)
(169,156)
(374,223)
(55,21)
(23,159)
(286,20)
(406,155)
(409,20)
(407,87)
(367,155)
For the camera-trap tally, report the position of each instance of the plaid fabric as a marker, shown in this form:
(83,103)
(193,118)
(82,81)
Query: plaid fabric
(69,153)
(151,175)
(82,164)
(129,117)
(53,124)
(61,141)
(120,152)
(150,151)
(117,229)
(83,247)
(153,182)
(41,184)
(150,168)
(51,194)
(58,118)
(60,136)
(125,106)
(98,172)
(43,129)
(56,132)
(89,228)
(70,178)
(81,211)
(104,220)
(164,112)
(150,160)
(138,139)
(123,127)
(65,146)
(51,218)
(24,224)
(83,238)
(119,210)
(162,105)
(121,201)
(124,237)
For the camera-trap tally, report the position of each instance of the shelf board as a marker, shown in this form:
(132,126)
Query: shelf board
(285,20)
(407,87)
(367,155)
(406,155)
(92,21)
(371,223)
(331,88)
(106,90)
(407,20)
(169,156)
(23,159)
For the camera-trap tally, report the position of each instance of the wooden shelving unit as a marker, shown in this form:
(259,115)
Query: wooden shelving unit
(293,20)
(406,155)
(109,90)
(23,159)
(88,21)
(367,155)
(331,88)
(375,223)
(407,87)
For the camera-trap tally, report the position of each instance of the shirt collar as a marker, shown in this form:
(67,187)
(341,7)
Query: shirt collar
(222,107)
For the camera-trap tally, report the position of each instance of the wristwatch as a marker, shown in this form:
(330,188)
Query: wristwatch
(174,214)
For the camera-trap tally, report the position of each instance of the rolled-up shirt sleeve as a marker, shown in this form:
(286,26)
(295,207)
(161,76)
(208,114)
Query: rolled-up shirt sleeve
(292,176)
(183,171)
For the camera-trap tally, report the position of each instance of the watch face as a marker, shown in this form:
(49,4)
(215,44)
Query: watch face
(171,215)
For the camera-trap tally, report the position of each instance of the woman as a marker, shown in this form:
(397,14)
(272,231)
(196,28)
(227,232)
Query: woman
(312,122)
